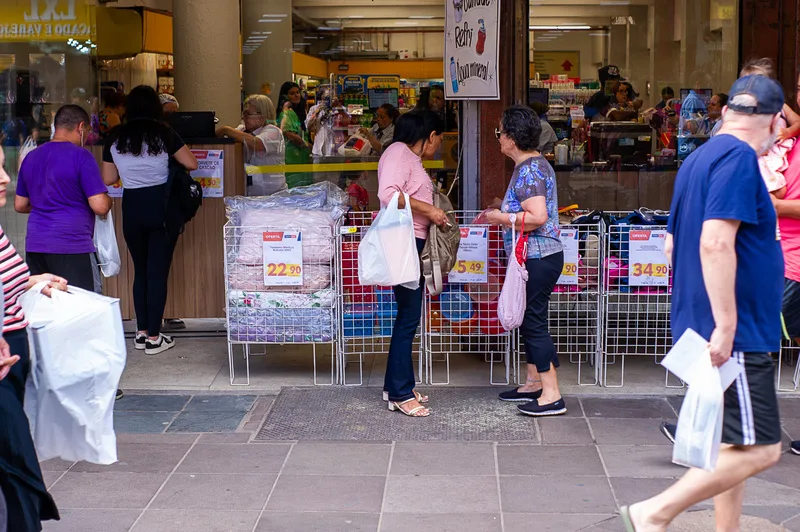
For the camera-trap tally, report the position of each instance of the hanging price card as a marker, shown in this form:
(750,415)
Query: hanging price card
(283,258)
(473,252)
(648,264)
(569,239)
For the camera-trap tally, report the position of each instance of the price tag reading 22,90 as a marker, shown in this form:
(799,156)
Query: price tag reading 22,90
(283,258)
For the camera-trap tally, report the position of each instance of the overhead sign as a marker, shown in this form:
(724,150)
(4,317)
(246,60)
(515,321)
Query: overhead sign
(45,20)
(557,63)
(471,45)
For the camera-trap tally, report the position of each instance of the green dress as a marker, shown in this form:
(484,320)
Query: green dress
(290,123)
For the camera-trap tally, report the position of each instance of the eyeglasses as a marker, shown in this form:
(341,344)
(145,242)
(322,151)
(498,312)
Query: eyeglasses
(497,133)
(252,114)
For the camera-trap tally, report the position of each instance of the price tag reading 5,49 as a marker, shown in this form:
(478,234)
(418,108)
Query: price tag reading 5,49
(473,252)
(470,266)
(283,258)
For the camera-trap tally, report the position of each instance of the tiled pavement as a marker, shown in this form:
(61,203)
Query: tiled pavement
(194,467)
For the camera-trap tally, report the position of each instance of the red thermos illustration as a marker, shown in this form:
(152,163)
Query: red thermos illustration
(481,38)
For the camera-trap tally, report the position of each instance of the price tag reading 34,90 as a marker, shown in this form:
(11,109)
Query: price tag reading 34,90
(283,258)
(648,264)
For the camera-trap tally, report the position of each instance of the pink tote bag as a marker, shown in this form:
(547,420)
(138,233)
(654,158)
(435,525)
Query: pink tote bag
(511,304)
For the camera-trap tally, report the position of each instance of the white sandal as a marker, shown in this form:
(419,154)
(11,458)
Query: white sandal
(417,411)
(421,398)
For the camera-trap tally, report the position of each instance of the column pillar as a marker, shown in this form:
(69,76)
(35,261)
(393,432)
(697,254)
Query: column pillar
(513,70)
(206,50)
(267,37)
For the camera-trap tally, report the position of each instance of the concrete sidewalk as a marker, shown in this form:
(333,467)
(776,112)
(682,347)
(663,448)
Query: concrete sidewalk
(185,471)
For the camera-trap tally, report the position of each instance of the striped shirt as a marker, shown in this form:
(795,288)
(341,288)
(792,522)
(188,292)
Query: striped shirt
(14,274)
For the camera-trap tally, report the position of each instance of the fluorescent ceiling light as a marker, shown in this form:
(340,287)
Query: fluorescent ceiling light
(328,28)
(271,15)
(599,34)
(267,20)
(422,16)
(559,27)
(354,16)
(301,44)
(406,23)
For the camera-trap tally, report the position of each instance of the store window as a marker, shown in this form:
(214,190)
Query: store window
(630,90)
(348,72)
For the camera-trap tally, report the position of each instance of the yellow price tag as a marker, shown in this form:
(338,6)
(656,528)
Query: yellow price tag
(570,269)
(283,270)
(650,270)
(470,266)
(349,230)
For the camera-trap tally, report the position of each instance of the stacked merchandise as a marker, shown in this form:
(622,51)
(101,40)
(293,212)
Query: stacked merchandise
(304,313)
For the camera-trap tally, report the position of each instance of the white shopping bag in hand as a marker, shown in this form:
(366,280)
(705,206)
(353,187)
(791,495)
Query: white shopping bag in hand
(77,356)
(105,240)
(699,433)
(387,255)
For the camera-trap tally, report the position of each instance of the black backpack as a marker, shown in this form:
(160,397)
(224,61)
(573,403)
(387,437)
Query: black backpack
(184,195)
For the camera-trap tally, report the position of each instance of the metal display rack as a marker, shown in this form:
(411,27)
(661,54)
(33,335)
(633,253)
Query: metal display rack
(262,315)
(788,356)
(463,318)
(366,313)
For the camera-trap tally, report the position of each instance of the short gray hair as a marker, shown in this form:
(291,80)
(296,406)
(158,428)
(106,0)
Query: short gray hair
(263,104)
(166,98)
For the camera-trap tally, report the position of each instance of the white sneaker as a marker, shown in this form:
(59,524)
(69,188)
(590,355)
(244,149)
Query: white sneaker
(164,342)
(140,342)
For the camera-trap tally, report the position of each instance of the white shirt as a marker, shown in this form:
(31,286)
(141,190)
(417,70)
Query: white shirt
(385,136)
(271,138)
(140,171)
(547,138)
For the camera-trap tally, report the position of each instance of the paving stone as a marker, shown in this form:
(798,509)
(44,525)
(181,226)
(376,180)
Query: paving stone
(206,421)
(462,522)
(56,464)
(92,521)
(675,401)
(174,438)
(774,514)
(312,458)
(221,403)
(215,492)
(252,426)
(151,403)
(236,437)
(140,458)
(631,408)
(640,461)
(791,427)
(119,490)
(205,520)
(234,459)
(631,490)
(557,431)
(50,477)
(443,458)
(704,520)
(441,494)
(565,494)
(789,407)
(793,525)
(764,493)
(549,460)
(142,422)
(627,432)
(552,522)
(318,522)
(312,493)
(786,472)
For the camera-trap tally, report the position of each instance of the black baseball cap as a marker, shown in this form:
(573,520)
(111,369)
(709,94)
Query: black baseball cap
(767,93)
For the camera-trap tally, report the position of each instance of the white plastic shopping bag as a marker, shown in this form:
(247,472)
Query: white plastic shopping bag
(387,255)
(512,301)
(28,146)
(77,358)
(105,240)
(699,432)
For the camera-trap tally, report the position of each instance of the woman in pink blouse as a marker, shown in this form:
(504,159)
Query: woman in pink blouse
(417,136)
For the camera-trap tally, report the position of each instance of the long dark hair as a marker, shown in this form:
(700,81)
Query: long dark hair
(144,125)
(299,108)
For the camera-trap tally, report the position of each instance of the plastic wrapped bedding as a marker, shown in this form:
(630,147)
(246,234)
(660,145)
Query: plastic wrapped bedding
(317,230)
(251,277)
(324,196)
(260,317)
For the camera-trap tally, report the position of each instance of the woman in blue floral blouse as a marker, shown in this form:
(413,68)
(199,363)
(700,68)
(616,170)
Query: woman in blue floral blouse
(532,191)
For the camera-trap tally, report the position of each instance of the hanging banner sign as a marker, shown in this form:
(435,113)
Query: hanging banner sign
(473,252)
(210,172)
(471,48)
(648,264)
(569,273)
(45,20)
(283,258)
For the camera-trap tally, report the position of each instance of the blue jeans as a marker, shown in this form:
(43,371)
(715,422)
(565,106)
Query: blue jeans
(399,380)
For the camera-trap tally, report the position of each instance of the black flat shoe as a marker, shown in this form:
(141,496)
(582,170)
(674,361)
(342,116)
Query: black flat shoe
(515,395)
(535,409)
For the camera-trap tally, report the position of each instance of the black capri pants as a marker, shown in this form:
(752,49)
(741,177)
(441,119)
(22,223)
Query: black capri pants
(542,277)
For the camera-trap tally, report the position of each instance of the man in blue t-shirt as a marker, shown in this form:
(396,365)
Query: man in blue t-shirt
(728,286)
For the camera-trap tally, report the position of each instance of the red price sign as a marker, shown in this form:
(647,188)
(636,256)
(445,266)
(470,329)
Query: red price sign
(649,270)
(283,270)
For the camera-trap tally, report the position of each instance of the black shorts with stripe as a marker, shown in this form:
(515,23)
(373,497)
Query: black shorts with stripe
(751,414)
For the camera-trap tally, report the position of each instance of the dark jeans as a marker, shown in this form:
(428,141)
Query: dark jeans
(542,277)
(399,380)
(791,308)
(26,499)
(77,269)
(151,246)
